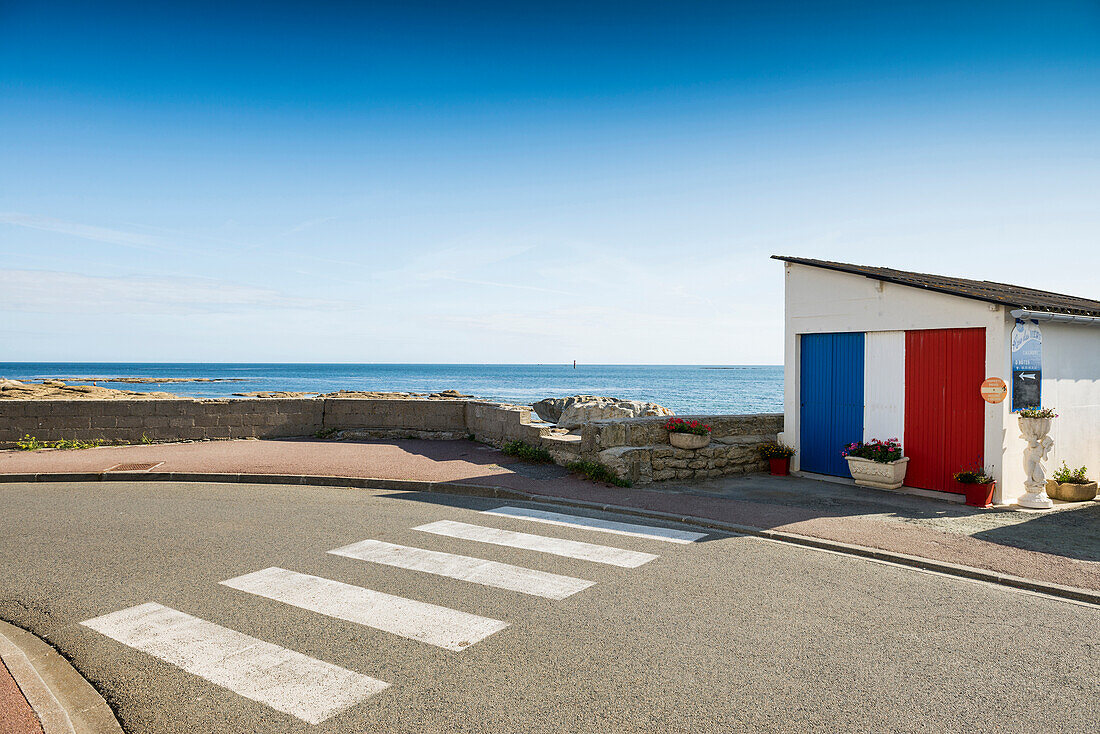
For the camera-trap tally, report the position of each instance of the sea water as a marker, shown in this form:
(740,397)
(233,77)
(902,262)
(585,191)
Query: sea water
(683,388)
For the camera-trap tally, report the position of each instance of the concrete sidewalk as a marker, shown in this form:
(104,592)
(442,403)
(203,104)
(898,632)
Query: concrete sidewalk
(1058,547)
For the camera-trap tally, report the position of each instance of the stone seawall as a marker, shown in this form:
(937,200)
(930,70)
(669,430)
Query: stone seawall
(185,419)
(636,449)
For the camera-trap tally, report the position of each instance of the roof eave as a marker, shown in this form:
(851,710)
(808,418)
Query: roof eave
(897,281)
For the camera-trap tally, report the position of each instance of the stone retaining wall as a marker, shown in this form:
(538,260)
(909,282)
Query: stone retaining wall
(638,449)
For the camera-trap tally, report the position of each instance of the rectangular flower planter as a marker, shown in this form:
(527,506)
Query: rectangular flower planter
(779,467)
(869,473)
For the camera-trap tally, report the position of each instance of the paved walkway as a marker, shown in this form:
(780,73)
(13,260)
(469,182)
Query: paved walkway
(1058,546)
(16,715)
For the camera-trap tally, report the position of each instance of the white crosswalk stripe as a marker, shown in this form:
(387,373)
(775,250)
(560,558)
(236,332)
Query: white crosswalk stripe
(465,568)
(604,526)
(304,687)
(416,620)
(544,544)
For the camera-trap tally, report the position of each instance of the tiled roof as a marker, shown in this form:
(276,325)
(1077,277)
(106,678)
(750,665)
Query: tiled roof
(1013,296)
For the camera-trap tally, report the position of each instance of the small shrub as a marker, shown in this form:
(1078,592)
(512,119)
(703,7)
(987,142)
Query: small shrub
(776,450)
(597,472)
(876,450)
(527,452)
(679,425)
(325,433)
(1065,475)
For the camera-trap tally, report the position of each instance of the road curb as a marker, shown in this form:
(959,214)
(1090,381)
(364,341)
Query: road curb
(1071,593)
(64,701)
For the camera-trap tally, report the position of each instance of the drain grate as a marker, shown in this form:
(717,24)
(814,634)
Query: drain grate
(136,467)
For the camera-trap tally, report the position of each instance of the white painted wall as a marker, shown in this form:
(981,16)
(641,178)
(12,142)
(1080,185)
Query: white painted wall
(1071,385)
(822,301)
(884,385)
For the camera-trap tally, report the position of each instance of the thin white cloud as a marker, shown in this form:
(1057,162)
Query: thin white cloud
(306,225)
(86,231)
(40,291)
(495,284)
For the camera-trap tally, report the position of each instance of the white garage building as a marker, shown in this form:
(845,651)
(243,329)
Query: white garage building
(874,352)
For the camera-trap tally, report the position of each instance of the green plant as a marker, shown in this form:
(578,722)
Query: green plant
(30,443)
(976,474)
(679,425)
(145,439)
(1038,412)
(527,452)
(1065,475)
(66,443)
(597,472)
(776,450)
(876,450)
(325,433)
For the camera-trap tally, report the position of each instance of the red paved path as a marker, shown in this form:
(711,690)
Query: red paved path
(436,461)
(447,461)
(16,715)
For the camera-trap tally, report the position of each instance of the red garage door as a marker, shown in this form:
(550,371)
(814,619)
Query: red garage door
(944,410)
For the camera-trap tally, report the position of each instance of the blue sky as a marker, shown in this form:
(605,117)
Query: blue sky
(430,182)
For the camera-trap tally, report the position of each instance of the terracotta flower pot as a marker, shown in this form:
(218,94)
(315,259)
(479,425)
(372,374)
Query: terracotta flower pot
(780,467)
(688,440)
(979,495)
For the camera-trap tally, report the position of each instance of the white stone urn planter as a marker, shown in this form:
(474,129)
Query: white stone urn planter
(688,440)
(868,473)
(1035,431)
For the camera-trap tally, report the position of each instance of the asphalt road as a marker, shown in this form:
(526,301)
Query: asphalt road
(725,634)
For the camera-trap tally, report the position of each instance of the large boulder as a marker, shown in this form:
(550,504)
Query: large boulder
(576,410)
(550,409)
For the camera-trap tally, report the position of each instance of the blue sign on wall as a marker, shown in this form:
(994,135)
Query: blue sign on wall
(1027,366)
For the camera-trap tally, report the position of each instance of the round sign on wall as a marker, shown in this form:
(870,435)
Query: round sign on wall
(994,390)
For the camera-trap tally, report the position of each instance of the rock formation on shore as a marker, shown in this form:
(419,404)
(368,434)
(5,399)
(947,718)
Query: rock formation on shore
(576,410)
(381,395)
(58,390)
(153,380)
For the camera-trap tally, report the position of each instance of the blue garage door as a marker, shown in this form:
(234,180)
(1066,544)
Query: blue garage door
(832,400)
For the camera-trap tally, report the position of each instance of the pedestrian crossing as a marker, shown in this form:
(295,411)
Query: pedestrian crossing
(313,690)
